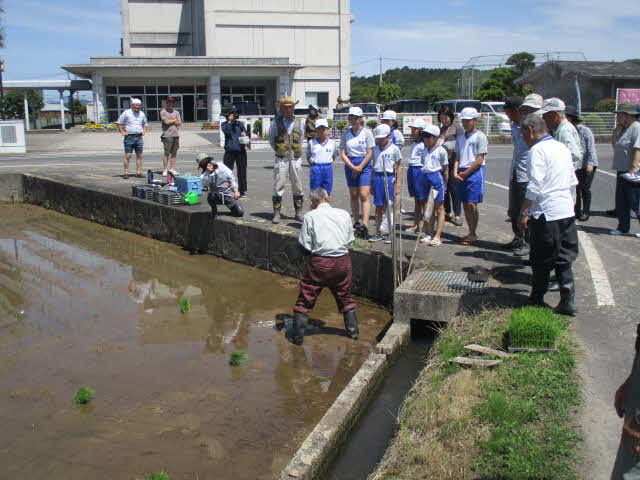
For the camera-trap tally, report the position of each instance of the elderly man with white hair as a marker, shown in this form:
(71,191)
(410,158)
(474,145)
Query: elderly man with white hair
(132,124)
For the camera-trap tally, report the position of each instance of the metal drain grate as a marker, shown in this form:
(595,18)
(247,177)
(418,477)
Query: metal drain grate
(455,282)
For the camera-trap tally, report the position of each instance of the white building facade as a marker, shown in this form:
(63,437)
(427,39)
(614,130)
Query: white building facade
(209,54)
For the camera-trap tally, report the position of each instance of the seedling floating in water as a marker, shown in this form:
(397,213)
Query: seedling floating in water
(157,476)
(83,395)
(238,358)
(185,305)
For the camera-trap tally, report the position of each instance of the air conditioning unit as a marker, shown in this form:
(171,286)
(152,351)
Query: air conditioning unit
(12,138)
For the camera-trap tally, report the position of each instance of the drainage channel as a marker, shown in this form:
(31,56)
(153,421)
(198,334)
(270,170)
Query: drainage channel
(370,437)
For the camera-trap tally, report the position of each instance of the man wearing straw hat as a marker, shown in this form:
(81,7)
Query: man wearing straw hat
(285,136)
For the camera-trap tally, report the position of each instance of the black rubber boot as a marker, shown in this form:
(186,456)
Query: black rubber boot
(299,325)
(298,201)
(351,324)
(586,209)
(539,286)
(567,305)
(277,205)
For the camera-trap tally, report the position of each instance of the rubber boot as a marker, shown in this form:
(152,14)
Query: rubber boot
(298,201)
(539,286)
(299,325)
(351,324)
(586,209)
(277,205)
(567,305)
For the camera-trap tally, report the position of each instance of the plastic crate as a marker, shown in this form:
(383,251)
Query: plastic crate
(146,192)
(168,197)
(188,183)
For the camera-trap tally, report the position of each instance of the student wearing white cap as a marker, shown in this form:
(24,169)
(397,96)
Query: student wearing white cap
(386,169)
(389,117)
(435,161)
(414,172)
(471,149)
(356,147)
(321,152)
(132,125)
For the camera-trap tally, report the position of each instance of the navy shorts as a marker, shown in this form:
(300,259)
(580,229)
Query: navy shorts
(379,191)
(434,180)
(321,176)
(415,182)
(362,180)
(133,143)
(472,189)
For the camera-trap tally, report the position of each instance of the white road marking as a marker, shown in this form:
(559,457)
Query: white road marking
(604,294)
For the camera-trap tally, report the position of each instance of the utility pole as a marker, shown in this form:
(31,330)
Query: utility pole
(380,80)
(2,88)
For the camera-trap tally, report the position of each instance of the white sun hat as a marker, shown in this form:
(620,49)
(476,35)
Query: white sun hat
(389,115)
(469,113)
(355,111)
(552,105)
(431,130)
(382,131)
(322,122)
(417,123)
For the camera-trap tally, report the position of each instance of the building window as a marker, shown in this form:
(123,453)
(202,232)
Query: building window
(321,99)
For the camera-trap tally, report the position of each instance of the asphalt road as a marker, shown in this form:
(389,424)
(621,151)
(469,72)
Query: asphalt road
(606,332)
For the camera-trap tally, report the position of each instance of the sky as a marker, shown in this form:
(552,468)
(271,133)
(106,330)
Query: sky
(41,35)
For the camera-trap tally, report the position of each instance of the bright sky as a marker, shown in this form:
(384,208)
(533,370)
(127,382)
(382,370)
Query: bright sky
(41,35)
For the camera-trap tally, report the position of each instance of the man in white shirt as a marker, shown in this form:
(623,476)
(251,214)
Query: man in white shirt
(132,125)
(548,210)
(325,236)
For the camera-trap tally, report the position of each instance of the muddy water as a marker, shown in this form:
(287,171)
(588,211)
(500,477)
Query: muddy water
(81,304)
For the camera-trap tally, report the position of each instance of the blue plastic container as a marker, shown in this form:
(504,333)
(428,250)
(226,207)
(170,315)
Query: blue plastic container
(188,183)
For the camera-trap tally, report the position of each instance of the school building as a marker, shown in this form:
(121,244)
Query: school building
(210,53)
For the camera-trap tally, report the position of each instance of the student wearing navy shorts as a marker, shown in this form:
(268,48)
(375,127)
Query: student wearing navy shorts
(321,151)
(414,172)
(435,172)
(356,146)
(386,170)
(471,149)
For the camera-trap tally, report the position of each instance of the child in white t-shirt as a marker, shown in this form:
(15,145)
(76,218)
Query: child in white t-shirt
(321,152)
(435,161)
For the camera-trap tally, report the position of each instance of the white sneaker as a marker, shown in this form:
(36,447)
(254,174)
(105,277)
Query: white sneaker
(637,235)
(615,233)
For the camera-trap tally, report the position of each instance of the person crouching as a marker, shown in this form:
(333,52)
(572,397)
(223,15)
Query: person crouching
(386,168)
(222,185)
(325,237)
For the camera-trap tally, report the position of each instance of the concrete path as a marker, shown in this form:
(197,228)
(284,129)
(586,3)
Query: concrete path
(605,271)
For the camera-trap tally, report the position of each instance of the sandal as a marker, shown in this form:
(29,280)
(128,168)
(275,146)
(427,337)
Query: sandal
(468,240)
(435,242)
(424,238)
(411,229)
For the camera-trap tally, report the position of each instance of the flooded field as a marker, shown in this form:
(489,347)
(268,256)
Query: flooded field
(81,304)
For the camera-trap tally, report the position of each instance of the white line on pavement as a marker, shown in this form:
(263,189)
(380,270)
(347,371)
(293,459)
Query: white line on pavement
(604,294)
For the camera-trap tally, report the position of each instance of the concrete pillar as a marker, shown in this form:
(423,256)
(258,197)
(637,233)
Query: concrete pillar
(26,112)
(62,122)
(98,97)
(284,85)
(215,105)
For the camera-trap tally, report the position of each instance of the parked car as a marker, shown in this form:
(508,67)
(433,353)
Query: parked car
(456,106)
(497,110)
(244,109)
(408,106)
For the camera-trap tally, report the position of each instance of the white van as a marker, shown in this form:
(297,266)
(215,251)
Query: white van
(497,109)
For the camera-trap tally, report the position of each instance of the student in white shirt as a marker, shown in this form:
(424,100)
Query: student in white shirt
(435,171)
(415,182)
(356,146)
(386,170)
(321,151)
(471,150)
(548,211)
(389,117)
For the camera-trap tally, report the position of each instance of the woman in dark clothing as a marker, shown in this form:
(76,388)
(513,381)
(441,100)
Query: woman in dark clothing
(448,133)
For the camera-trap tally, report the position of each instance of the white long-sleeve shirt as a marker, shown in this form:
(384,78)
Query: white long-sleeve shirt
(326,231)
(551,176)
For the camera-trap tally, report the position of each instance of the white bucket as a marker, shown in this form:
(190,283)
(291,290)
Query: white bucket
(244,140)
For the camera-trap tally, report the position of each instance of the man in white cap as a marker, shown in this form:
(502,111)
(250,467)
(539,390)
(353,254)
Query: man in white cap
(548,212)
(386,170)
(132,124)
(285,137)
(471,149)
(552,112)
(321,152)
(532,103)
(356,147)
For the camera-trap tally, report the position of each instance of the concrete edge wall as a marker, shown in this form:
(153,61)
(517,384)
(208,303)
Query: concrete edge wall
(233,239)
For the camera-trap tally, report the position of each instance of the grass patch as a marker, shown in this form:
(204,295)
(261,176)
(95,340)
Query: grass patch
(84,395)
(533,327)
(515,421)
(238,358)
(185,305)
(158,476)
